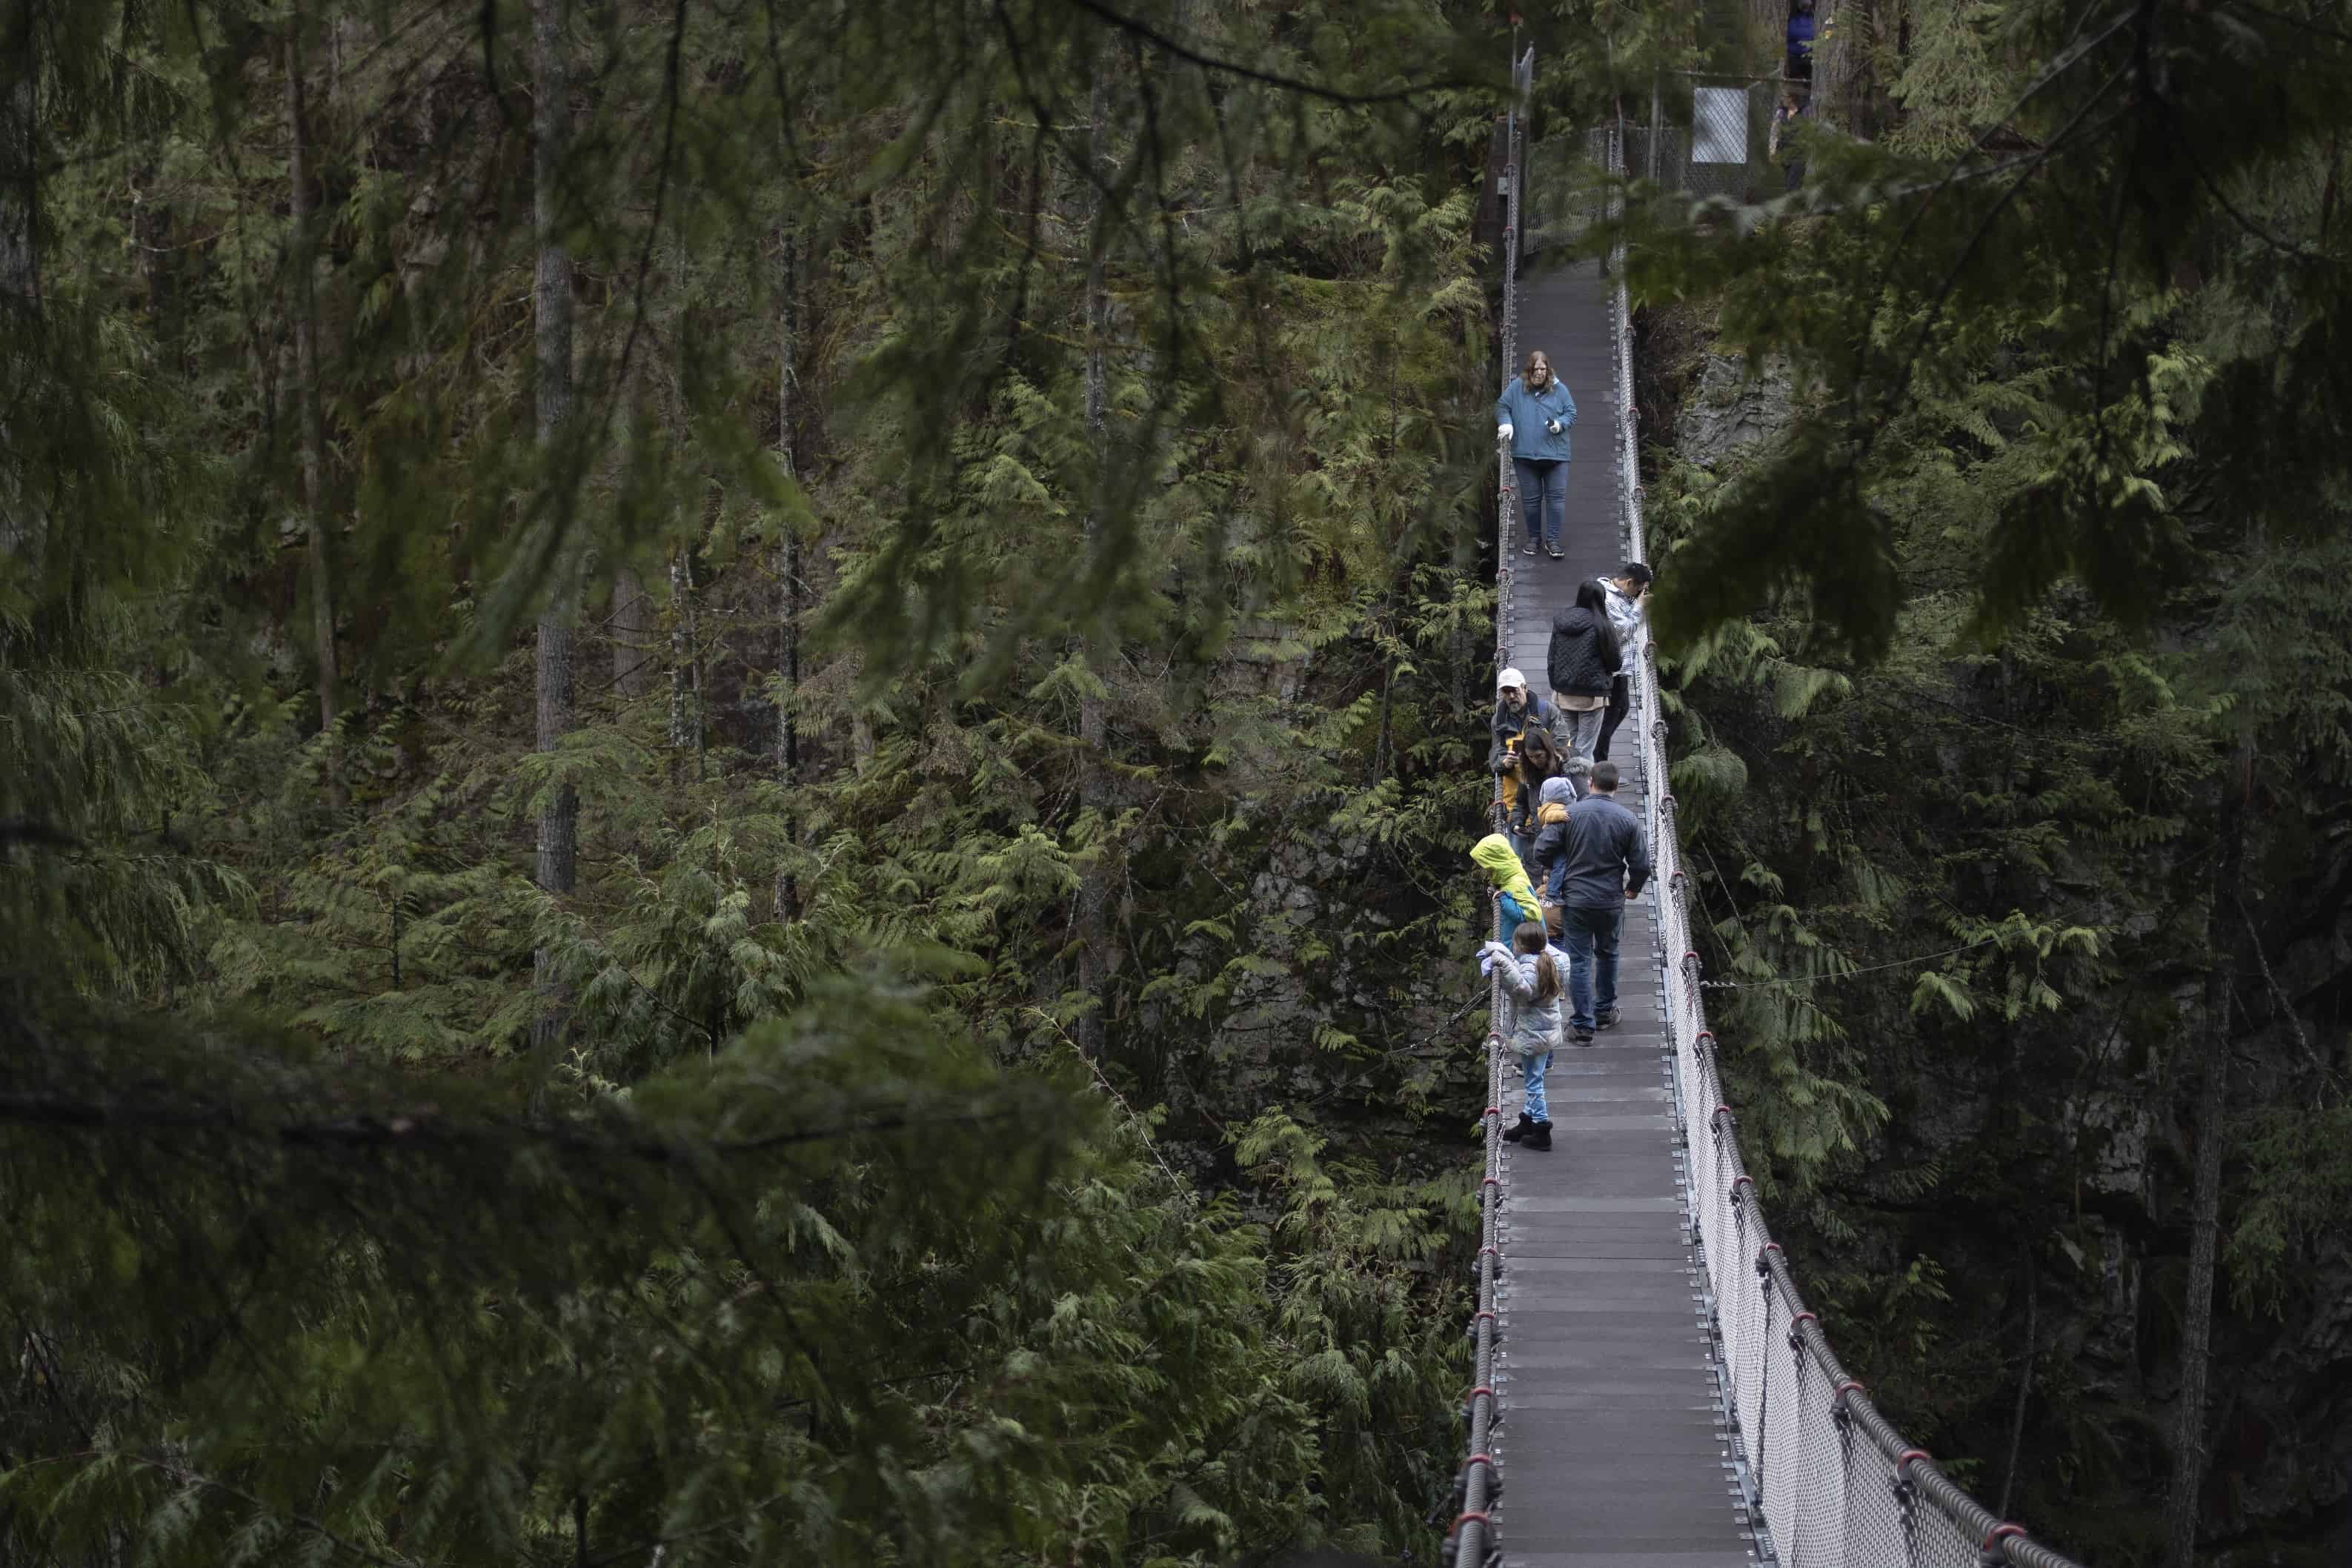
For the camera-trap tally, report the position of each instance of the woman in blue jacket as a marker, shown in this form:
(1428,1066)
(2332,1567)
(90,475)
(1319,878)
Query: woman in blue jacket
(1533,415)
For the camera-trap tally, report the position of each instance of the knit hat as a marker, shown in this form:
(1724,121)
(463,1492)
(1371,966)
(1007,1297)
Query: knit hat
(1559,792)
(1580,767)
(1509,678)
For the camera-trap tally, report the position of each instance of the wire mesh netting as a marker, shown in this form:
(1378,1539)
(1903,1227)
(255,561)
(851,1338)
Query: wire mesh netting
(1834,1482)
(1830,1479)
(1708,137)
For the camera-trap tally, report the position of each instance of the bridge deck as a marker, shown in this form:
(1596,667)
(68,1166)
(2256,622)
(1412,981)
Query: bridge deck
(1611,1449)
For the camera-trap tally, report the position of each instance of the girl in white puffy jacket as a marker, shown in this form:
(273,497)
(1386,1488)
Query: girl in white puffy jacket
(1531,976)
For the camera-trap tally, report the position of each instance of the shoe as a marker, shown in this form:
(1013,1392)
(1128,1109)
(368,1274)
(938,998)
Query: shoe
(1556,553)
(1607,1020)
(1526,1125)
(1583,1036)
(1530,548)
(1538,1138)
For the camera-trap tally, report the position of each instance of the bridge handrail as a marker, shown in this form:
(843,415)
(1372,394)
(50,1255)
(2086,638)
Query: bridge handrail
(1811,1409)
(1471,1542)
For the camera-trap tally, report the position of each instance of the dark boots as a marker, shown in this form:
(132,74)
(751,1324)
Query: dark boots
(1527,1124)
(1539,1137)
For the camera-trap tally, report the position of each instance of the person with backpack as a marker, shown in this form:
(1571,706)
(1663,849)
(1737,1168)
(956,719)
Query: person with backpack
(1606,865)
(1534,415)
(1624,592)
(1494,856)
(1529,1025)
(1583,662)
(1518,710)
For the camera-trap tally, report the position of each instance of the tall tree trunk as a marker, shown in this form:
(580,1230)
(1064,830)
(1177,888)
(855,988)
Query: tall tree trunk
(685,664)
(788,570)
(633,636)
(1094,795)
(309,417)
(20,271)
(559,820)
(2181,1511)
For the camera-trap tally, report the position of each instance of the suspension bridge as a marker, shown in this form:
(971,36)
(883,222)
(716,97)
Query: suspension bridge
(1652,1390)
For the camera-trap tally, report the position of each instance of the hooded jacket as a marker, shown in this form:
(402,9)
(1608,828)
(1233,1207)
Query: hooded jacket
(1525,412)
(1549,858)
(1528,1026)
(1580,662)
(1625,614)
(1494,856)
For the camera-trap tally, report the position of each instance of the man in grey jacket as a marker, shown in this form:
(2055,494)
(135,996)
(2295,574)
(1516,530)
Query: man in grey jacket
(1607,864)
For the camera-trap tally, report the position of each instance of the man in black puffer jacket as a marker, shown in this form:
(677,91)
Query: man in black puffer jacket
(1582,662)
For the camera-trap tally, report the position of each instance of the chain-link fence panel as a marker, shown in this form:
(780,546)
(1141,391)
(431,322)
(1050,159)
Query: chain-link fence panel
(1819,1504)
(1708,137)
(1876,1529)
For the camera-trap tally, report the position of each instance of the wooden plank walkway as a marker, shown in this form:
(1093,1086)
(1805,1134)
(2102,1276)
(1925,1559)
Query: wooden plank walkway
(1612,1448)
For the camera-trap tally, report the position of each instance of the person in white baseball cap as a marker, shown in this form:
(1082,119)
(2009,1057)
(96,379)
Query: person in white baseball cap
(1517,711)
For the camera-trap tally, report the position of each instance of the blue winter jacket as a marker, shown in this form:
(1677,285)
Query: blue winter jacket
(1525,412)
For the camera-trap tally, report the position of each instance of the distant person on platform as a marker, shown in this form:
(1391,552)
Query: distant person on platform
(1517,711)
(1801,40)
(1607,866)
(1781,146)
(1627,590)
(1533,415)
(1583,662)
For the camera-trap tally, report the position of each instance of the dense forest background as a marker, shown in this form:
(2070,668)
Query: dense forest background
(739,737)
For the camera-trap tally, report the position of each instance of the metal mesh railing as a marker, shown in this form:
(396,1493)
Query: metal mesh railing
(1471,1543)
(1714,142)
(1835,1483)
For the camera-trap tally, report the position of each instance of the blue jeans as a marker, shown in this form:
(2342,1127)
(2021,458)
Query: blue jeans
(1532,1074)
(1543,497)
(1590,935)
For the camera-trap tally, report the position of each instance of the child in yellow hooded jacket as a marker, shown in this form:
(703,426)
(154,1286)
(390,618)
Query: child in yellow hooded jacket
(1494,856)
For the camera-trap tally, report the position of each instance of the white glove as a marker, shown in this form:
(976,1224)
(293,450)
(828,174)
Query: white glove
(1502,432)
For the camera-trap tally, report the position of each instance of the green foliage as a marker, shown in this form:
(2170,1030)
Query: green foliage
(804,1237)
(2056,524)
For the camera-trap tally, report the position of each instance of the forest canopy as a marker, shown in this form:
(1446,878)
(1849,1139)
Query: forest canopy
(739,737)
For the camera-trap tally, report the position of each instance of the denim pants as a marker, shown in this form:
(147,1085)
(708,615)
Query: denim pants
(1543,497)
(1590,937)
(1531,1075)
